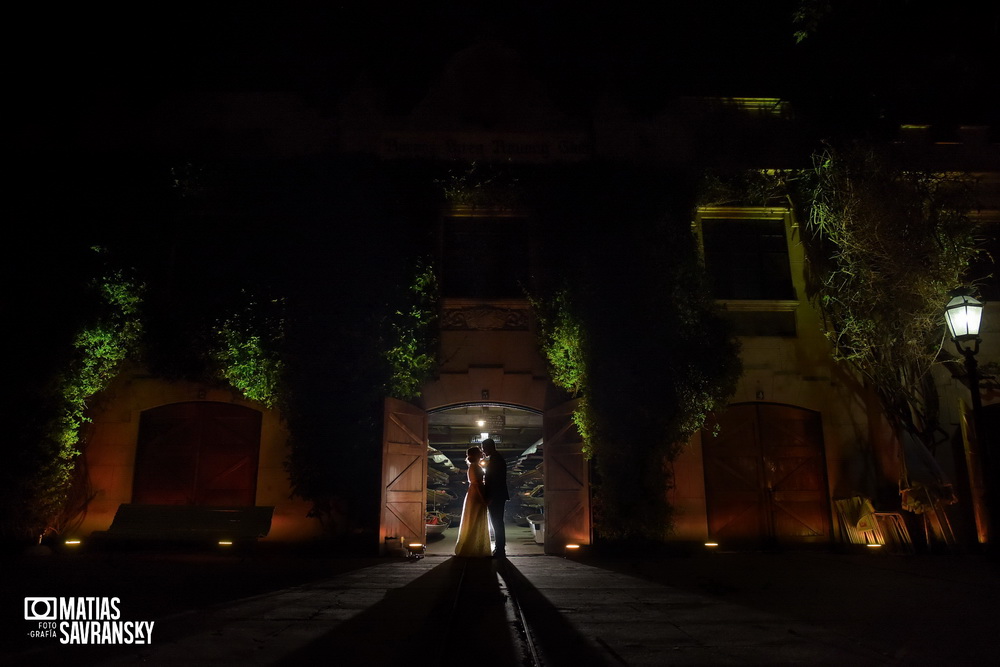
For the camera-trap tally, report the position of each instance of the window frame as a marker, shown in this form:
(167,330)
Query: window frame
(791,227)
(496,215)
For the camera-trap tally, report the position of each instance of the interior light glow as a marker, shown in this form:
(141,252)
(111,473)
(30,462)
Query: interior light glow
(225,543)
(963,315)
(711,545)
(872,545)
(73,542)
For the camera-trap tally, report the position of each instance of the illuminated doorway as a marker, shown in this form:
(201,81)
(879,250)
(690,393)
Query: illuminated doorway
(518,433)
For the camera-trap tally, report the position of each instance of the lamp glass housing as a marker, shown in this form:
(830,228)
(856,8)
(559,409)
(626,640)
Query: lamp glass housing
(963,315)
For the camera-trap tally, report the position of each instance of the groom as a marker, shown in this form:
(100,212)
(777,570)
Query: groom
(496,495)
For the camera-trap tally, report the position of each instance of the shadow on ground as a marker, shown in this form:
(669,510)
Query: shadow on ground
(558,642)
(454,613)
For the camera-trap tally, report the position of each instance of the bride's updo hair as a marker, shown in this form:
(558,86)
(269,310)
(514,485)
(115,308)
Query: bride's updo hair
(472,455)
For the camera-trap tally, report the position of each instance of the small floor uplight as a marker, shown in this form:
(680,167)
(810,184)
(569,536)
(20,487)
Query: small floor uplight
(73,543)
(873,545)
(415,550)
(711,545)
(225,543)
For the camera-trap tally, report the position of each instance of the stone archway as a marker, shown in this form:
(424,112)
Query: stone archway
(517,431)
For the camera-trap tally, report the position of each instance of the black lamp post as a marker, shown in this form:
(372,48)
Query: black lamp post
(964,314)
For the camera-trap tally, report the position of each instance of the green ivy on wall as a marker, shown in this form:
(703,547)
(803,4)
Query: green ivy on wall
(628,325)
(409,340)
(100,346)
(247,348)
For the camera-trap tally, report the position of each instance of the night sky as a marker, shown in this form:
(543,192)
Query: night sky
(933,61)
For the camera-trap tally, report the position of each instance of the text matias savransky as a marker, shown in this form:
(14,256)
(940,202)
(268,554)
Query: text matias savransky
(85,620)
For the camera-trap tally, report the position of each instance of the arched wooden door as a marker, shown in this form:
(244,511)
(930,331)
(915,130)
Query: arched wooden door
(197,453)
(404,473)
(567,481)
(765,476)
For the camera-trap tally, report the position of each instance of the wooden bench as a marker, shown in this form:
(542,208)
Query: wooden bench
(188,523)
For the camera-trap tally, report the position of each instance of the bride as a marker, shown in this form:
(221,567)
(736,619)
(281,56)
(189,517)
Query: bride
(474,532)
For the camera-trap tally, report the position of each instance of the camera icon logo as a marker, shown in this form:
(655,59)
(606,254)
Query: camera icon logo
(40,609)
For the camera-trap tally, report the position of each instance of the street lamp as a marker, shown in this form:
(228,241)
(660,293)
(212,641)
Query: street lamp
(964,314)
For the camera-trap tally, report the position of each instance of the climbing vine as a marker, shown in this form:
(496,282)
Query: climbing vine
(100,345)
(408,344)
(481,186)
(647,365)
(247,348)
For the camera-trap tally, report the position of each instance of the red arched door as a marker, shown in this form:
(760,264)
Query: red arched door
(197,453)
(765,475)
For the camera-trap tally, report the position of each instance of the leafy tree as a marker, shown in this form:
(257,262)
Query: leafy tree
(408,342)
(358,326)
(247,348)
(885,248)
(39,496)
(649,364)
(342,358)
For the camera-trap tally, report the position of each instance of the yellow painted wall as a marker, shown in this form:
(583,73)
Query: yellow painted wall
(486,356)
(111,448)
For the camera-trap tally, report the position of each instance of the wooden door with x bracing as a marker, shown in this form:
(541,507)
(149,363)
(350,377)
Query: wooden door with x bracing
(197,453)
(765,476)
(567,481)
(404,473)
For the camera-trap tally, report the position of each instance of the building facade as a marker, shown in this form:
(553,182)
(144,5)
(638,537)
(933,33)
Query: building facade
(801,445)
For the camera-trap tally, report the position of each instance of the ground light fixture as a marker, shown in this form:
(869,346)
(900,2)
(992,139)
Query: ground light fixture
(415,550)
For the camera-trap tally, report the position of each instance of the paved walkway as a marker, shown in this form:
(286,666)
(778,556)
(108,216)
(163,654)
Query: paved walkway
(738,609)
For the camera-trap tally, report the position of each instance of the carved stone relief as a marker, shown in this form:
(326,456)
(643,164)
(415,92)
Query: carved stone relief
(484,318)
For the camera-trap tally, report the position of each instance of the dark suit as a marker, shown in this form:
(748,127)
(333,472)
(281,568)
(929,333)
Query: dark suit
(496,498)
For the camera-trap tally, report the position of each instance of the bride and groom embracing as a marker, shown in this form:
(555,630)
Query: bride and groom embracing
(485,499)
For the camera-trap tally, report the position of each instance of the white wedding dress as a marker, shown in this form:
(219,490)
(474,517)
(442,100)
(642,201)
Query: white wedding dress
(474,532)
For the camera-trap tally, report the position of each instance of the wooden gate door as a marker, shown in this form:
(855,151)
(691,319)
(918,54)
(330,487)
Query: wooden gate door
(795,473)
(197,453)
(733,477)
(404,473)
(765,476)
(567,481)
